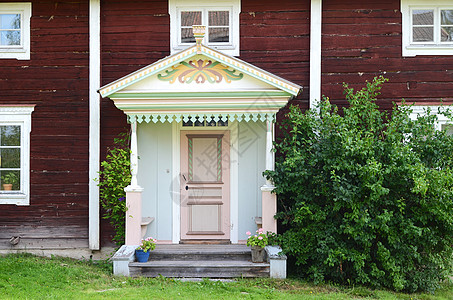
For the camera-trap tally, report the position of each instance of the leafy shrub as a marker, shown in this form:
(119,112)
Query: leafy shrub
(115,175)
(366,196)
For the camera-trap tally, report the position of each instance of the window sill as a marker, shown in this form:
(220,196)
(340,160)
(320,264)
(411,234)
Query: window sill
(13,198)
(427,49)
(14,53)
(227,49)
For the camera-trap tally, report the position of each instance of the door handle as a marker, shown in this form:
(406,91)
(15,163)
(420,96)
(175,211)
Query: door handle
(187,187)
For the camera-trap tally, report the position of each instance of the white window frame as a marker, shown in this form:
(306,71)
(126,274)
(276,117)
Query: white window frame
(21,52)
(436,47)
(421,111)
(177,6)
(21,116)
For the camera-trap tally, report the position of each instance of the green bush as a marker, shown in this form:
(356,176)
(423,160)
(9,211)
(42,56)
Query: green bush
(115,175)
(366,196)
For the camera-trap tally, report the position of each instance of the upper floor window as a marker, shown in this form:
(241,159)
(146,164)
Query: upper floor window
(443,122)
(15,127)
(221,21)
(427,29)
(15,30)
(217,22)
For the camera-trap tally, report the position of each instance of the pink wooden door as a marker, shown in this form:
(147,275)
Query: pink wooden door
(205,185)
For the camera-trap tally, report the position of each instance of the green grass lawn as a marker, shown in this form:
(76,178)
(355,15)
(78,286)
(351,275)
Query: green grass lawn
(24,276)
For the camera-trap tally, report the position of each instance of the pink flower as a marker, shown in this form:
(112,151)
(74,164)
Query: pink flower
(260,237)
(248,233)
(260,230)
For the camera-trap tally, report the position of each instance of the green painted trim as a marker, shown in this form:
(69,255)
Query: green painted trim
(173,95)
(147,75)
(180,108)
(251,74)
(156,117)
(188,56)
(187,72)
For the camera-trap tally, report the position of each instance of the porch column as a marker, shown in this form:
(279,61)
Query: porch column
(133,196)
(268,199)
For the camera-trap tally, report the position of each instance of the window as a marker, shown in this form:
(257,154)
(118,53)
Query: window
(15,127)
(427,29)
(443,122)
(15,30)
(217,26)
(221,21)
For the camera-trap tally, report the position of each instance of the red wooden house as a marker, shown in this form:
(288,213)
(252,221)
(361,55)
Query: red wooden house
(73,74)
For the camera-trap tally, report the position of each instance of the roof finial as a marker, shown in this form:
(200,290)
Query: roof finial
(198,33)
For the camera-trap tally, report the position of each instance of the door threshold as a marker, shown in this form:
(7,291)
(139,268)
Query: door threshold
(206,242)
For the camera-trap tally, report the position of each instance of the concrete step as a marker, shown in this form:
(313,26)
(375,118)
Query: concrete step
(199,268)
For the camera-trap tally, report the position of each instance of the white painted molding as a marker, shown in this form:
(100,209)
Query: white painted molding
(269,145)
(315,52)
(176,185)
(133,189)
(134,155)
(170,117)
(21,52)
(19,115)
(94,131)
(267,188)
(435,48)
(174,7)
(234,182)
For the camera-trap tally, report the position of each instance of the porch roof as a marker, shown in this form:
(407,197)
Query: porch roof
(203,82)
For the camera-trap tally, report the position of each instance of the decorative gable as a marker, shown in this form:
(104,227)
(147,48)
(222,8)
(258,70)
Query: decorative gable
(199,81)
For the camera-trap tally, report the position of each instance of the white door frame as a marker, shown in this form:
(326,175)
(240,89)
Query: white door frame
(234,179)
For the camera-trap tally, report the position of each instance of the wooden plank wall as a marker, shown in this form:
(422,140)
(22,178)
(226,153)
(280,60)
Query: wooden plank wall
(362,39)
(134,34)
(56,80)
(275,37)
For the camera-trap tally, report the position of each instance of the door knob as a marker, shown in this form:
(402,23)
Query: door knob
(187,187)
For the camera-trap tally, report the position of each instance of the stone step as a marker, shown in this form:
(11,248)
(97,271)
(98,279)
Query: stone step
(199,268)
(201,252)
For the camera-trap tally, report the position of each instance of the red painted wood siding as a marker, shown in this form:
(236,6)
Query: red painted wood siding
(275,36)
(56,80)
(362,39)
(133,34)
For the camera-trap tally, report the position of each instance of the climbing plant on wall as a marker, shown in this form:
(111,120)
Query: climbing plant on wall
(114,176)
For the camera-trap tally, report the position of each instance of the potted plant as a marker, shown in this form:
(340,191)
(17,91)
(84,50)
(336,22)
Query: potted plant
(142,251)
(257,242)
(9,180)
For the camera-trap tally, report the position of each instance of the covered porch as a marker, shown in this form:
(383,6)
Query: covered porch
(202,128)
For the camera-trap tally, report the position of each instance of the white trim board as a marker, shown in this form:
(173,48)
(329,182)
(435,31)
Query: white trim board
(315,52)
(430,48)
(174,6)
(94,130)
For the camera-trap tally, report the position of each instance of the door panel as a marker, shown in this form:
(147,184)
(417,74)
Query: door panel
(205,164)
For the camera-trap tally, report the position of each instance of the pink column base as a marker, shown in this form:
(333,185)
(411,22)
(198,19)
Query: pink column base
(269,209)
(133,215)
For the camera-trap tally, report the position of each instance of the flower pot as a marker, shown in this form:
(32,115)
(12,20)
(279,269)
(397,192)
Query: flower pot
(7,186)
(258,254)
(141,256)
